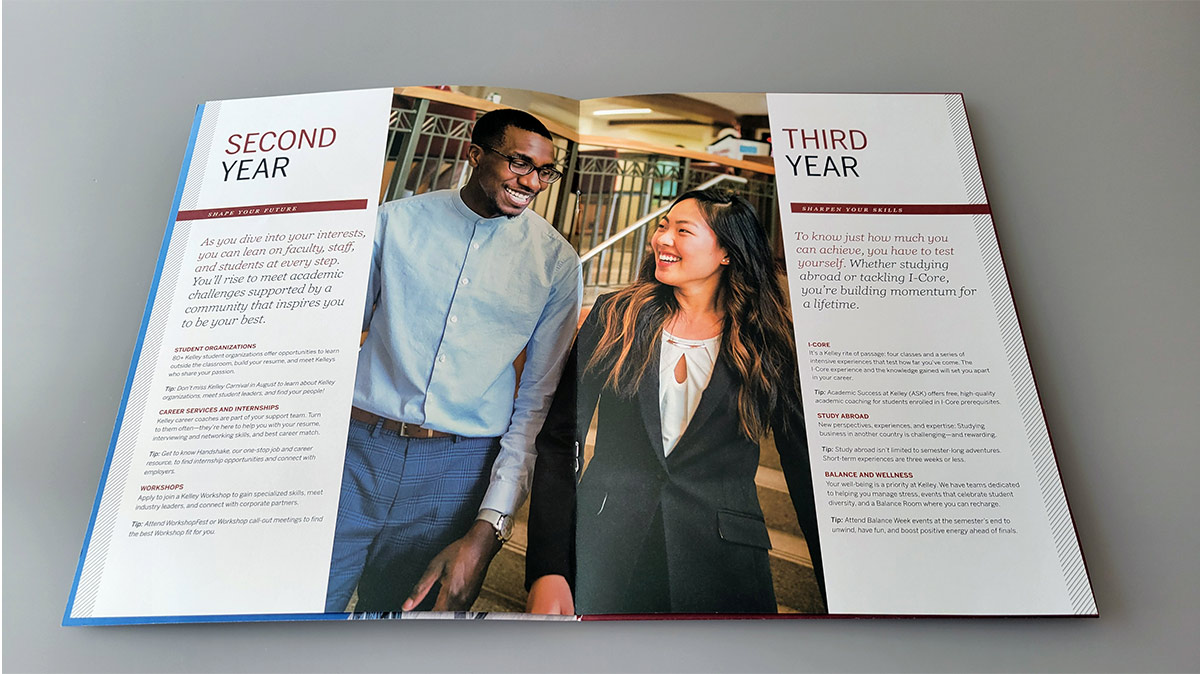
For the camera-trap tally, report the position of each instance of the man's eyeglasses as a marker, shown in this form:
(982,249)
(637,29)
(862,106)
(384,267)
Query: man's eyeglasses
(523,167)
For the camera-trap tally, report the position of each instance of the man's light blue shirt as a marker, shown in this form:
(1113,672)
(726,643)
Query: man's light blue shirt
(452,300)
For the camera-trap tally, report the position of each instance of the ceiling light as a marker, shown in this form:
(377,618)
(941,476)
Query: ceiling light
(623,111)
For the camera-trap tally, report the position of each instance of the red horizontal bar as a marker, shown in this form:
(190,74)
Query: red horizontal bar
(891,209)
(274,209)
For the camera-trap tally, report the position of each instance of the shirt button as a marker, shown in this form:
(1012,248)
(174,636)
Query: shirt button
(475,246)
(464,281)
(442,358)
(454,319)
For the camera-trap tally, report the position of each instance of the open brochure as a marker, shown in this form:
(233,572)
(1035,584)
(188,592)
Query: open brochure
(476,351)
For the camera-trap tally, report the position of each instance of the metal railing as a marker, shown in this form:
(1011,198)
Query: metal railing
(610,190)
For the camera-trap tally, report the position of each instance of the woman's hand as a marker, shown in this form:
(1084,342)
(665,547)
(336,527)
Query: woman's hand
(550,595)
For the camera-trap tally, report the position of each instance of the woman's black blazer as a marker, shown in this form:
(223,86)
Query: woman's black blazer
(712,526)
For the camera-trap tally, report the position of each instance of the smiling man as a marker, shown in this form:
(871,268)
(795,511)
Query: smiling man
(440,452)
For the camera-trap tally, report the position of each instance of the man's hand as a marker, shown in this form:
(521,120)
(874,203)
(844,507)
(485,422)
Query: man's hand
(460,567)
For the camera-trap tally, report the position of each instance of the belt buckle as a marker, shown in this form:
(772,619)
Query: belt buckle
(417,431)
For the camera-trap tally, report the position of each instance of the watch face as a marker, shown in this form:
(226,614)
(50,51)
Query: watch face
(506,526)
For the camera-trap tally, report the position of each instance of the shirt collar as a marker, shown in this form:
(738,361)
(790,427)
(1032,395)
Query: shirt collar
(472,215)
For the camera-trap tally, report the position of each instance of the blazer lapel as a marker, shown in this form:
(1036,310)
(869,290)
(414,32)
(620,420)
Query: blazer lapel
(648,402)
(719,386)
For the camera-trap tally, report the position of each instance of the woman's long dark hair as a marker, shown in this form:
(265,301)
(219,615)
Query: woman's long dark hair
(757,339)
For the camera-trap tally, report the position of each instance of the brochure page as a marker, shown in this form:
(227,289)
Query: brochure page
(936,484)
(220,492)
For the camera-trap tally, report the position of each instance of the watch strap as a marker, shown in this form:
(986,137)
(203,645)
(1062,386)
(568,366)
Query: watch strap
(501,522)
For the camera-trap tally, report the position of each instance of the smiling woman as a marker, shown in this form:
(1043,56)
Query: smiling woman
(687,254)
(689,366)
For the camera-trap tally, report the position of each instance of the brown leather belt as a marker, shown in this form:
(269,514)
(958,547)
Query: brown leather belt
(398,427)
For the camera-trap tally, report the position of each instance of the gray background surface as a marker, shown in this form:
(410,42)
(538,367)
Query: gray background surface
(1087,122)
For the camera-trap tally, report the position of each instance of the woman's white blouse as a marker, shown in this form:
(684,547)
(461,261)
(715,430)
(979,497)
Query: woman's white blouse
(678,400)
